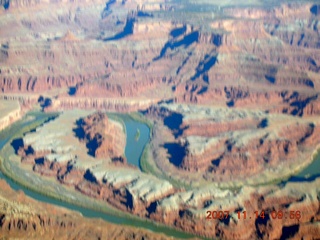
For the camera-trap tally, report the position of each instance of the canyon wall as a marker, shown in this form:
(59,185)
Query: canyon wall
(141,53)
(107,137)
(110,104)
(229,145)
(23,217)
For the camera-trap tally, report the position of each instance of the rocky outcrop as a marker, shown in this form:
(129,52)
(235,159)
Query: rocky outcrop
(297,207)
(105,138)
(110,104)
(133,191)
(37,84)
(221,144)
(23,217)
(131,54)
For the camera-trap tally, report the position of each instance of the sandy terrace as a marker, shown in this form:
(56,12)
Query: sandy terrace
(9,112)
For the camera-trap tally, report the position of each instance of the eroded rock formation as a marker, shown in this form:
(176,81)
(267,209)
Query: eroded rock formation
(181,209)
(23,217)
(223,144)
(107,52)
(105,138)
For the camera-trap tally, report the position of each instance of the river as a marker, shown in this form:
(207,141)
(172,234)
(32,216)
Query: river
(133,152)
(310,173)
(135,143)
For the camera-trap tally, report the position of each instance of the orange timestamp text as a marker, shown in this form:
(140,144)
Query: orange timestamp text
(255,215)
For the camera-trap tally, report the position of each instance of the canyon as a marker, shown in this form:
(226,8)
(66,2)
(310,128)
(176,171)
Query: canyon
(230,92)
(125,187)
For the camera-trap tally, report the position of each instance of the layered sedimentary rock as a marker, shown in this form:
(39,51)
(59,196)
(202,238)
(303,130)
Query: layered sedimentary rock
(94,61)
(132,48)
(110,104)
(23,217)
(293,199)
(63,155)
(133,190)
(223,144)
(106,137)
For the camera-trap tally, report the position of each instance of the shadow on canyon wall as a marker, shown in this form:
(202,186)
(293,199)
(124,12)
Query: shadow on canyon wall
(176,152)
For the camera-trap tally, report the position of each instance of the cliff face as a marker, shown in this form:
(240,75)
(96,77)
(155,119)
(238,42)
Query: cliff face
(221,144)
(246,59)
(23,217)
(110,104)
(105,137)
(101,141)
(272,200)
